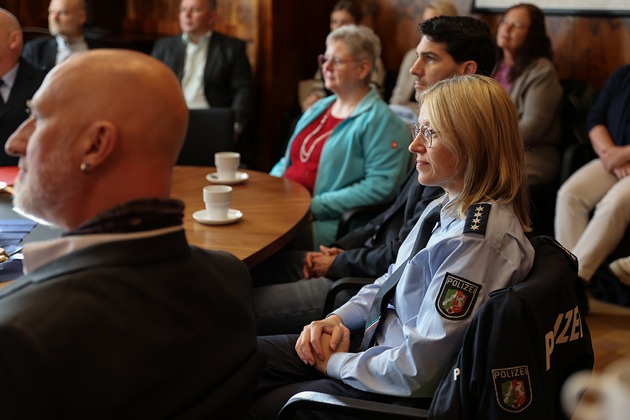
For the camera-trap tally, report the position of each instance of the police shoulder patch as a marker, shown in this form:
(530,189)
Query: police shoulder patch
(477,218)
(457,297)
(512,388)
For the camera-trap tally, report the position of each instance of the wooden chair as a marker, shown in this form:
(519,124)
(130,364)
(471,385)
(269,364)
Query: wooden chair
(209,131)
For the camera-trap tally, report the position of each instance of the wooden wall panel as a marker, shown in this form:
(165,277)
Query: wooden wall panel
(285,36)
(588,48)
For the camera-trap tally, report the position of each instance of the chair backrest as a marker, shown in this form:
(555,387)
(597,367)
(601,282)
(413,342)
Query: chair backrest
(520,347)
(209,131)
(577,98)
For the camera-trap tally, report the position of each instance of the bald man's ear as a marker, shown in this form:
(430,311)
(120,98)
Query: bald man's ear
(15,40)
(99,142)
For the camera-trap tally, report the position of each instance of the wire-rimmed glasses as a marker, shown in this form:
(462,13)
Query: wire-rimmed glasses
(424,131)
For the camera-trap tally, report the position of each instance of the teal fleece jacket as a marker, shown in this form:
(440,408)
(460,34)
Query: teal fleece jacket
(363,162)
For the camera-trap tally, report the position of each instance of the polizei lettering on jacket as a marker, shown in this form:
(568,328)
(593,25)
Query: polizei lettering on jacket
(510,373)
(568,327)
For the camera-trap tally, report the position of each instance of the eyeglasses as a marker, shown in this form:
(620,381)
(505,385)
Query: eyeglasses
(424,131)
(335,61)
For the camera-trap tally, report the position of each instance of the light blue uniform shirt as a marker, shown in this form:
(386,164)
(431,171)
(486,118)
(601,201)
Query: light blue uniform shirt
(417,339)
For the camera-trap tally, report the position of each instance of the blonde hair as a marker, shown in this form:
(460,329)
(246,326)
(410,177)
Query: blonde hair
(478,123)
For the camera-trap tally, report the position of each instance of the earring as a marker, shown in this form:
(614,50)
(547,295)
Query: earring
(85,167)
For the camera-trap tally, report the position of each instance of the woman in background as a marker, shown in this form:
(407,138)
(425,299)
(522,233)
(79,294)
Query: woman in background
(526,71)
(348,149)
(345,12)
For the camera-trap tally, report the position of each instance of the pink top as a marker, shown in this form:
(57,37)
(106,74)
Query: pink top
(501,75)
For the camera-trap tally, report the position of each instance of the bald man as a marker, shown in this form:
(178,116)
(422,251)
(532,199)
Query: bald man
(66,19)
(120,317)
(18,81)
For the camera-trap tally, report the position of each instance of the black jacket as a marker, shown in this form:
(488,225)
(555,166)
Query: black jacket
(370,249)
(42,52)
(13,112)
(129,330)
(228,80)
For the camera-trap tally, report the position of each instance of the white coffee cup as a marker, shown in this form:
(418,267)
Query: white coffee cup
(217,199)
(227,164)
(607,393)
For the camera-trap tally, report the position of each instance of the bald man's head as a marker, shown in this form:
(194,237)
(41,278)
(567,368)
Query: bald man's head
(106,127)
(10,41)
(137,93)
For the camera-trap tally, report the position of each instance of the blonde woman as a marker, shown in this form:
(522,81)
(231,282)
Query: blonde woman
(467,142)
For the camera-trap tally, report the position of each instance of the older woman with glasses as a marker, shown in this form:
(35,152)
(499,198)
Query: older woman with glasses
(348,149)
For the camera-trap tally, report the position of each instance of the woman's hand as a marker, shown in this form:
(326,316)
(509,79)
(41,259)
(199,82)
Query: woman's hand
(309,344)
(343,346)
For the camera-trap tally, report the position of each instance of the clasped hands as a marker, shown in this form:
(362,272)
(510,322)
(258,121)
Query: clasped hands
(616,159)
(316,264)
(321,339)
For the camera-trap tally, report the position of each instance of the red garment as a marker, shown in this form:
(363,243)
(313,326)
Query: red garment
(306,149)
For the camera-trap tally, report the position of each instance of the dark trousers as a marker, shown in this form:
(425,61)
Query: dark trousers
(286,375)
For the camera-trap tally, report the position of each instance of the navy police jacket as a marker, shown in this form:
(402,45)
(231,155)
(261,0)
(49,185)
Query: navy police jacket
(520,347)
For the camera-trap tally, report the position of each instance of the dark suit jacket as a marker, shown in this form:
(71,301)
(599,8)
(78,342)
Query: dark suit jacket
(42,52)
(370,249)
(138,329)
(227,77)
(13,112)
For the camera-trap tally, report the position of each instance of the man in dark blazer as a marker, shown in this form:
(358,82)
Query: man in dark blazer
(120,317)
(18,81)
(66,19)
(213,68)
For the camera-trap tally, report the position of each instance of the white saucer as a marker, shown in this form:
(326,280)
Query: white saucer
(239,178)
(201,216)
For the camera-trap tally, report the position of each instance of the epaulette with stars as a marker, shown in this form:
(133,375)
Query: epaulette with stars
(477,218)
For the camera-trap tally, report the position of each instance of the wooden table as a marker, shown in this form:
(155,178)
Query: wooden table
(274,211)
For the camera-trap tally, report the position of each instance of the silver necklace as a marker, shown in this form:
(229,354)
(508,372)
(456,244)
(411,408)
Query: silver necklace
(305,154)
